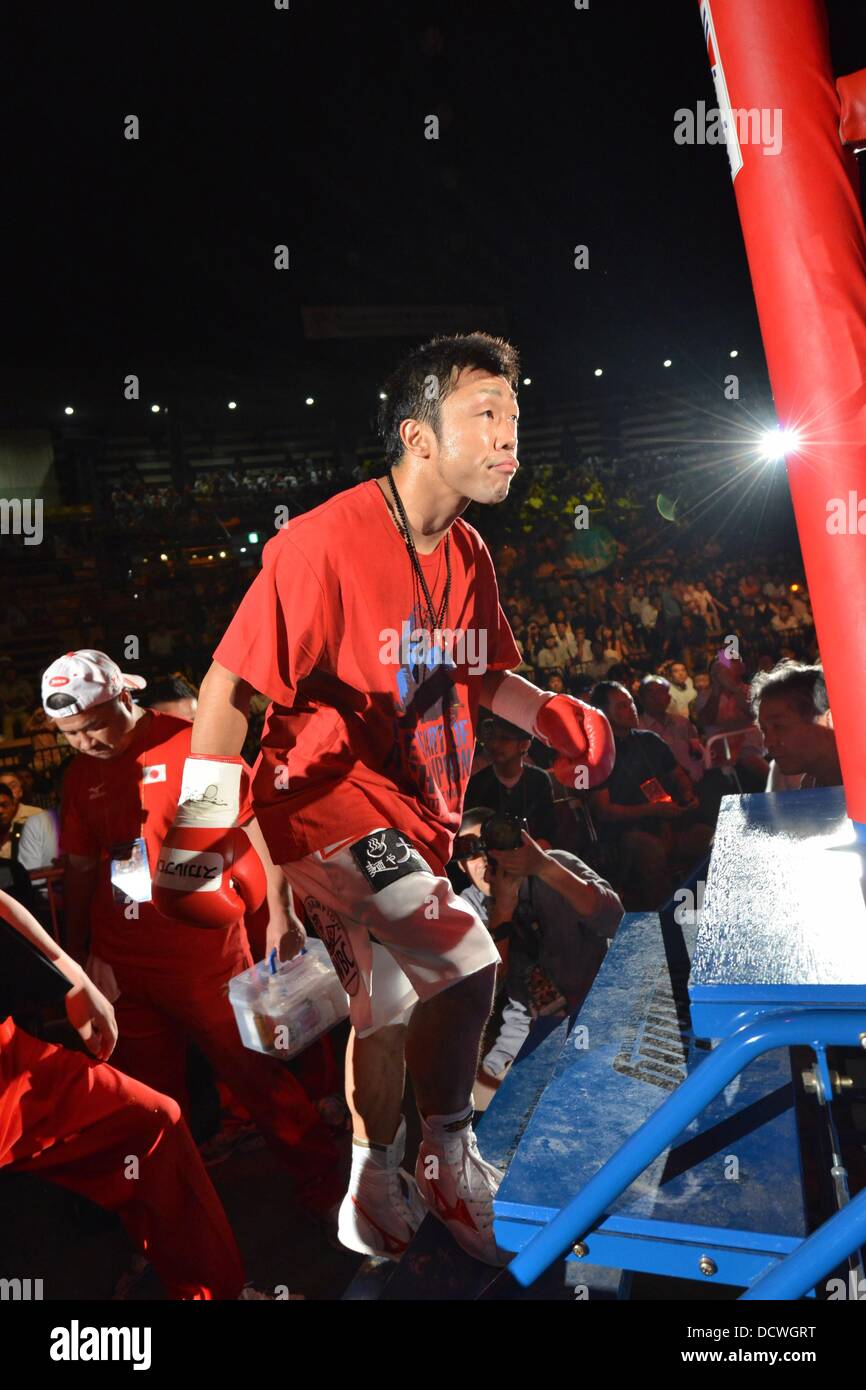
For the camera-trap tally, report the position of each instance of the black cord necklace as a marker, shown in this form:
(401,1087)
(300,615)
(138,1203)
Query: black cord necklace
(435,621)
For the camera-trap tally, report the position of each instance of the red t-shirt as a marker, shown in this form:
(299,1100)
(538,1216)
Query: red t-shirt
(360,733)
(109,802)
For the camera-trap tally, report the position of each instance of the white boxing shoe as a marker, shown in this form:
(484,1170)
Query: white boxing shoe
(382,1210)
(458,1186)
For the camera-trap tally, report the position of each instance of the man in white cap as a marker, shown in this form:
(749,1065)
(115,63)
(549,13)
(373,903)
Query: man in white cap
(120,796)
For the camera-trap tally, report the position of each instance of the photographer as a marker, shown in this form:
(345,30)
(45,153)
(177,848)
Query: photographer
(551,917)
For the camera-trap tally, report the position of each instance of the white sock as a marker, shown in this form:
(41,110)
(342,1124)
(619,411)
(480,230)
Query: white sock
(443,1129)
(370,1158)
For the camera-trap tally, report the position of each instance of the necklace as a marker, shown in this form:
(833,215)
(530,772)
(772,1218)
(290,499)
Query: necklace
(435,620)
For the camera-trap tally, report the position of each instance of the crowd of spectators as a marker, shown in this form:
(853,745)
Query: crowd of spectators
(133,497)
(658,608)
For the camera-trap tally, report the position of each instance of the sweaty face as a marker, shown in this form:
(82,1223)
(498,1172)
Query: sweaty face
(796,743)
(476,453)
(102,731)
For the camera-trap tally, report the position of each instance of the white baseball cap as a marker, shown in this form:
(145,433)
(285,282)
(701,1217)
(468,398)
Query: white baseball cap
(90,677)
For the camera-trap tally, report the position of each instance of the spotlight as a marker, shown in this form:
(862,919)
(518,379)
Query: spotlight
(155,409)
(776,444)
(69,410)
(383,395)
(733,353)
(598,371)
(163,556)
(667,362)
(527,381)
(253,538)
(233,405)
(309,401)
(222,555)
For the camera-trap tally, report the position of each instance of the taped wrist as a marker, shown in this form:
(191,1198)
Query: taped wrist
(520,702)
(210,791)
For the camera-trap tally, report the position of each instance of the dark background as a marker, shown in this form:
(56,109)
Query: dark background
(305,127)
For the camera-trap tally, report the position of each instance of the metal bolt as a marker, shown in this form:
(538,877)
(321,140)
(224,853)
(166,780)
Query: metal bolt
(580,1249)
(707,1266)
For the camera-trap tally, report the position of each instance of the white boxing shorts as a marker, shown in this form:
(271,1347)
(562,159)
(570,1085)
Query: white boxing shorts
(395,931)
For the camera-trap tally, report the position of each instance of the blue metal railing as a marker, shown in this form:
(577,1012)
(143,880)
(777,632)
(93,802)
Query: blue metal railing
(814,1028)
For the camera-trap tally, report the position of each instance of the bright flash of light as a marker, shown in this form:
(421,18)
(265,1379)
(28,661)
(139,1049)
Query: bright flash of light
(777,443)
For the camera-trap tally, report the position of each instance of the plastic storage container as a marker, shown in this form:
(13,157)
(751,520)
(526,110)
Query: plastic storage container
(281,1014)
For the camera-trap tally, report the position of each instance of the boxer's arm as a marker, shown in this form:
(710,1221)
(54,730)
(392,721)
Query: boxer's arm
(285,929)
(222,717)
(490,683)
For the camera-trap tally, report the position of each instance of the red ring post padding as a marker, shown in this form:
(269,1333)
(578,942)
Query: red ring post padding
(805,240)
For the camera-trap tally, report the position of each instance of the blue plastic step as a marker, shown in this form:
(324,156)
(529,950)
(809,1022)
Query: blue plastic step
(728,1192)
(783,921)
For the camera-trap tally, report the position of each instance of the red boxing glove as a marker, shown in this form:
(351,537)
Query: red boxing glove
(208,874)
(583,738)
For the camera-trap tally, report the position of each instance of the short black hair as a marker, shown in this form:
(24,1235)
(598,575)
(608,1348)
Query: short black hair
(601,693)
(804,686)
(419,385)
(479,814)
(164,689)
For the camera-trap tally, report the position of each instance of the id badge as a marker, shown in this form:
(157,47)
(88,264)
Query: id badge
(130,872)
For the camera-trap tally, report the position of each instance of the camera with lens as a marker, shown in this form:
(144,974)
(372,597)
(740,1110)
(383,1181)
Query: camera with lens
(500,831)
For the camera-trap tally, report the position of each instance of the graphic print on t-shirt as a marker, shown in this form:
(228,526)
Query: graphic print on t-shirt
(433,740)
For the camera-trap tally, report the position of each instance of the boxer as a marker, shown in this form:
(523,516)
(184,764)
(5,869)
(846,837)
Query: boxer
(375,629)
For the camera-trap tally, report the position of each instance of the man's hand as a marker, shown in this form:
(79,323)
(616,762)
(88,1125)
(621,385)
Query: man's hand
(529,858)
(90,1013)
(666,810)
(504,886)
(285,934)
